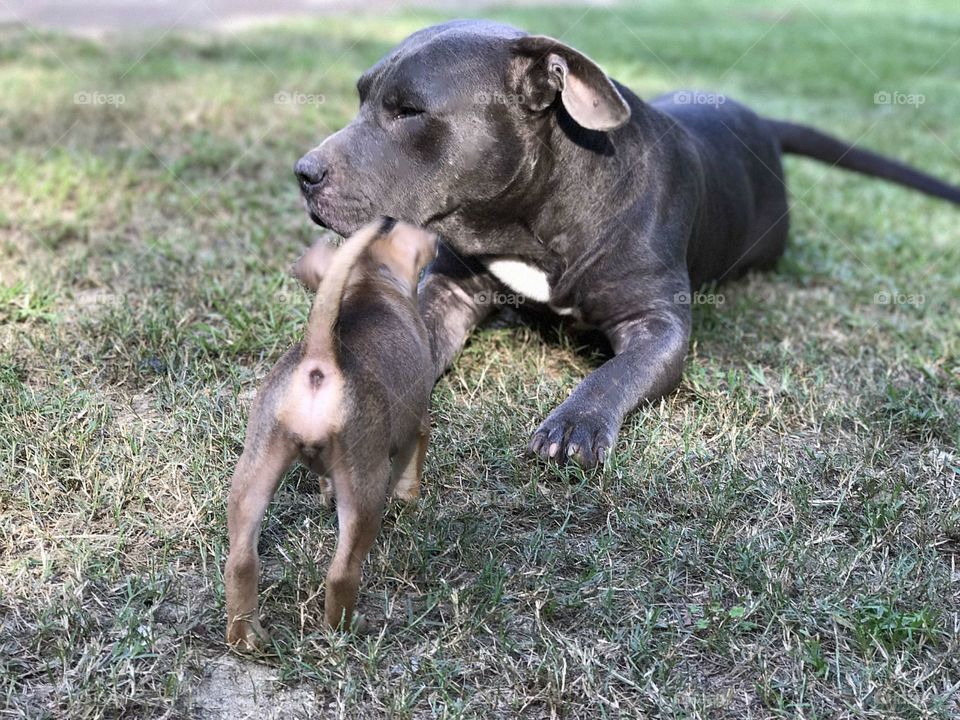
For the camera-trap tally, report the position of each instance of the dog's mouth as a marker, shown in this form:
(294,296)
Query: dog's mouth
(315,217)
(346,217)
(329,218)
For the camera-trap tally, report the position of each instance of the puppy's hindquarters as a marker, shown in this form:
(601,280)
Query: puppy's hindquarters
(325,421)
(297,411)
(312,409)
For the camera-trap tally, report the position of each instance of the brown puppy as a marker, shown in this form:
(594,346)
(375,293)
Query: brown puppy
(351,401)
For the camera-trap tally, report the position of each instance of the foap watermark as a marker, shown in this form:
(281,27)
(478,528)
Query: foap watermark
(499,298)
(94,97)
(287,97)
(692,97)
(698,298)
(898,298)
(894,97)
(498,98)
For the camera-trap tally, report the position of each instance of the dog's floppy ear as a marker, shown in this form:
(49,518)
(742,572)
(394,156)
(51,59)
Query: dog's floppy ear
(544,67)
(313,264)
(406,250)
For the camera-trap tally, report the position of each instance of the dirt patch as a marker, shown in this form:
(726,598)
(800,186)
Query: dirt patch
(134,412)
(235,688)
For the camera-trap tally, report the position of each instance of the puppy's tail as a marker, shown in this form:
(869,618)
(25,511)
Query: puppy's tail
(321,327)
(803,140)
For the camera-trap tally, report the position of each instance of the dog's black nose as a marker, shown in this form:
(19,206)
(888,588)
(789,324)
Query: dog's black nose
(310,171)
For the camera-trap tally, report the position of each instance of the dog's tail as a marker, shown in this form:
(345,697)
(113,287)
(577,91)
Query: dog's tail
(328,271)
(803,140)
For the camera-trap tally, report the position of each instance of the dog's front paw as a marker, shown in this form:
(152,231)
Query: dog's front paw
(573,433)
(247,635)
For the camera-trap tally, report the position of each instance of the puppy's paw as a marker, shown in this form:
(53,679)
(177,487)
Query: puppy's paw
(247,635)
(326,491)
(407,493)
(570,433)
(358,625)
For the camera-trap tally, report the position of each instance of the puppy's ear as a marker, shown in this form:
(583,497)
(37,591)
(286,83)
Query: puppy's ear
(406,250)
(313,264)
(544,67)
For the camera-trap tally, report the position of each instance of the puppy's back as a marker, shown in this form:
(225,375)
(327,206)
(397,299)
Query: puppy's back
(384,355)
(365,353)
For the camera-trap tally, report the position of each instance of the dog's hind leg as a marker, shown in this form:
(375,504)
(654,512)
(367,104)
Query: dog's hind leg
(361,496)
(408,467)
(262,464)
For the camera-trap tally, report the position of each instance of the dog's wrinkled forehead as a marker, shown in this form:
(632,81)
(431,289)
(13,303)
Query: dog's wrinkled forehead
(464,54)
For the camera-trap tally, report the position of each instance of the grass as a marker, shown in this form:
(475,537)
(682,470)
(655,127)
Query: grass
(778,538)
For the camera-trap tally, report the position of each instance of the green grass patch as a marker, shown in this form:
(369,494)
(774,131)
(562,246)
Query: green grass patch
(778,538)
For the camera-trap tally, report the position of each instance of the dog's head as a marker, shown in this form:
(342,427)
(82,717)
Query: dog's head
(451,118)
(310,268)
(402,249)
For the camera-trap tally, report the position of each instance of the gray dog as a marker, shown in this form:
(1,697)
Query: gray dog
(542,174)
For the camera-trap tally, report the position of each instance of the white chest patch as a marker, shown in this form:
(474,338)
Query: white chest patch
(521,277)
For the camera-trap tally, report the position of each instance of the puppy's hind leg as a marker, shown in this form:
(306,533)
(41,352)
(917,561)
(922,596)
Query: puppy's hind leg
(262,464)
(408,467)
(361,496)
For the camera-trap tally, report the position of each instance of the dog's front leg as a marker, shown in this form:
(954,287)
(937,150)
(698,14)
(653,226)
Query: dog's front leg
(650,348)
(456,293)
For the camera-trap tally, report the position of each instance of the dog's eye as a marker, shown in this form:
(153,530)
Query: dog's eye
(407,111)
